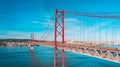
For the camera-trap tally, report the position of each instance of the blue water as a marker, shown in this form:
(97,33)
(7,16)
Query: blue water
(112,46)
(43,57)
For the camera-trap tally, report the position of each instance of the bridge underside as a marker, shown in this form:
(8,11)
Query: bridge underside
(110,54)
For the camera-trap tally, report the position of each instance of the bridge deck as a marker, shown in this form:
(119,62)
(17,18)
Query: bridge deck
(112,54)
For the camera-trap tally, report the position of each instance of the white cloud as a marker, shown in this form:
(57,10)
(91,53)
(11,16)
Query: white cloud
(22,35)
(67,20)
(102,24)
(42,25)
(72,30)
(35,21)
(14,34)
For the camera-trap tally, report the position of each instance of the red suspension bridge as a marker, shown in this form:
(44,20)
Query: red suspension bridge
(88,35)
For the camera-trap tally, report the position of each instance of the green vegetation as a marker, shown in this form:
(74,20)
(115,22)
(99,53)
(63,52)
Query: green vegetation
(14,40)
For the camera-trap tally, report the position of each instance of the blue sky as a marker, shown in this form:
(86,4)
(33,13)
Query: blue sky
(20,18)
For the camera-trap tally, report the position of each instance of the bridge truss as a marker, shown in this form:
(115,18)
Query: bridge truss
(84,39)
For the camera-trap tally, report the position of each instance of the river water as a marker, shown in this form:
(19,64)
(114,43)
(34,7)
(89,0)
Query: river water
(111,46)
(42,56)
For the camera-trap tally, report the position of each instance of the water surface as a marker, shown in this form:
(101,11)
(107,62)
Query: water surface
(43,57)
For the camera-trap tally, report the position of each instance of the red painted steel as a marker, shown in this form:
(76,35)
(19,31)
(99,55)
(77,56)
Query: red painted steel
(55,44)
(58,32)
(63,38)
(32,40)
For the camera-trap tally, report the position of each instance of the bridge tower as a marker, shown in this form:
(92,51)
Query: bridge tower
(31,41)
(58,38)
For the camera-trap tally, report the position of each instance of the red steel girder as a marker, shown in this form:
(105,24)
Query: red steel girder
(58,32)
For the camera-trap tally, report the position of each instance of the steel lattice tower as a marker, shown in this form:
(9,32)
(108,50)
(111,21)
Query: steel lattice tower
(32,40)
(58,38)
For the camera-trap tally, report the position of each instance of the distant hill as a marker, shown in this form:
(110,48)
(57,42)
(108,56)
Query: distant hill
(16,40)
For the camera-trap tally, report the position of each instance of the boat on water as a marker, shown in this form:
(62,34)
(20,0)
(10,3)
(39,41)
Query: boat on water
(31,47)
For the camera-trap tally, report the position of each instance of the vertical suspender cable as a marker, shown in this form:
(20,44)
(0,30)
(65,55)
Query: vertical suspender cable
(80,33)
(83,32)
(88,31)
(91,34)
(106,31)
(115,33)
(99,31)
